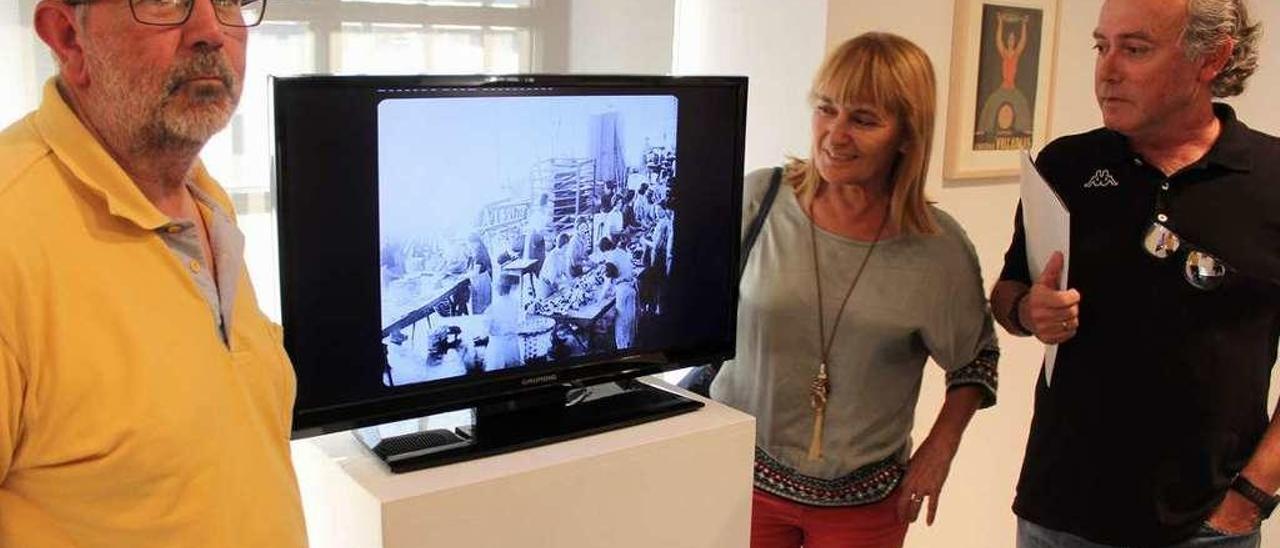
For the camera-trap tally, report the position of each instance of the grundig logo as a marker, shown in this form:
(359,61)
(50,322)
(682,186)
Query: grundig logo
(537,380)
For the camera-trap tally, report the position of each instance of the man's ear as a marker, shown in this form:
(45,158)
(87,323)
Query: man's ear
(57,26)
(1216,59)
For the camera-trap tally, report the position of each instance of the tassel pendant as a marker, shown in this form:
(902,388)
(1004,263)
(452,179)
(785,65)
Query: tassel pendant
(818,392)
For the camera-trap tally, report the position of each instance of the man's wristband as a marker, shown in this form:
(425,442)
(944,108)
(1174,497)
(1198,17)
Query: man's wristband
(1266,502)
(1015,320)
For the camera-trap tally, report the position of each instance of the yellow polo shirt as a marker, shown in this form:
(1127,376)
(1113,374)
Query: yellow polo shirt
(125,420)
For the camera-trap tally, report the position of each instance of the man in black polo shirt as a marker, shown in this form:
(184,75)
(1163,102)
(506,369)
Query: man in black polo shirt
(1154,430)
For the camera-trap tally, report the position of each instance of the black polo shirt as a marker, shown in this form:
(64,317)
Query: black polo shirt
(1160,398)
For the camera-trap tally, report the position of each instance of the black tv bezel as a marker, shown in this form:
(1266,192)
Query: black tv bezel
(495,387)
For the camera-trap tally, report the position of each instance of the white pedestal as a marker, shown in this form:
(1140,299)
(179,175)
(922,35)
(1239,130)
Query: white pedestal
(680,482)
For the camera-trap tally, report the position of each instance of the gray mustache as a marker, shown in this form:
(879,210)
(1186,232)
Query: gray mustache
(201,65)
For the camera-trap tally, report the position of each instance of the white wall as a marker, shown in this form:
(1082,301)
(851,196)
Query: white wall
(1257,107)
(621,36)
(778,45)
(723,36)
(15,63)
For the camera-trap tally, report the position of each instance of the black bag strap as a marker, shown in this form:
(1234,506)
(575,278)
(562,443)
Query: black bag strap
(757,223)
(699,379)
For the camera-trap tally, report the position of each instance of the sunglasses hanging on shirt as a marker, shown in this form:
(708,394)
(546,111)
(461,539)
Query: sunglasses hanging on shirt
(1201,269)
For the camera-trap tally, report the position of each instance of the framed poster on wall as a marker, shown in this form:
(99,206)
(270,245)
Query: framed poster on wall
(1003,56)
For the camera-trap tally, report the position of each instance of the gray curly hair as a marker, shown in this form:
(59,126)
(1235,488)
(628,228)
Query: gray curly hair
(1209,24)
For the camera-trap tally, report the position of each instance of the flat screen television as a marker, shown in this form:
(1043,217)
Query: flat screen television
(520,245)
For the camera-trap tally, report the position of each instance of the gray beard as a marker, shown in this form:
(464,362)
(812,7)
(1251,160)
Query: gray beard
(153,114)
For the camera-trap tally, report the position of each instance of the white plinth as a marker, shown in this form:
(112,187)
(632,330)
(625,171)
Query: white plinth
(680,482)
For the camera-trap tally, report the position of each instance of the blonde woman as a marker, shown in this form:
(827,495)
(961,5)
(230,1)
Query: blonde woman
(853,283)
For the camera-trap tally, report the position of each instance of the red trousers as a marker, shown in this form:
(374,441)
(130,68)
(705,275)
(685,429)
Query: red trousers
(780,523)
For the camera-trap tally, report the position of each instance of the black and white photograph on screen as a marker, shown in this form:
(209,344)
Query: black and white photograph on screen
(521,231)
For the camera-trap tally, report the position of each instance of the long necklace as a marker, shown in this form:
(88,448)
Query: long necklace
(821,386)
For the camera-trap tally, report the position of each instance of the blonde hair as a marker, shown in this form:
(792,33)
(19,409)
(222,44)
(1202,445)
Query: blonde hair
(894,74)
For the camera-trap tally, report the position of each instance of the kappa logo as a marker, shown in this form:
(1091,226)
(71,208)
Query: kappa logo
(1101,178)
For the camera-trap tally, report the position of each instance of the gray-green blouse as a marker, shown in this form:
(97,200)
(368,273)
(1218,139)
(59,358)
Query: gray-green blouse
(920,297)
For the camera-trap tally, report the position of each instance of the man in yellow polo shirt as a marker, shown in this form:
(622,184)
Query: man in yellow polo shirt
(145,401)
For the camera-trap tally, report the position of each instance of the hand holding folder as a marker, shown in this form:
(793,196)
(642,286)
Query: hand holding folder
(1047,226)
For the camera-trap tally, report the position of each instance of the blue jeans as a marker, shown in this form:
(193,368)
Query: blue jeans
(1031,535)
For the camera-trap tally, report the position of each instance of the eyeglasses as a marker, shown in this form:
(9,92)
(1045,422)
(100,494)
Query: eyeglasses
(173,13)
(1201,269)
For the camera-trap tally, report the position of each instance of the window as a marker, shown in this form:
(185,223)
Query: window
(359,37)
